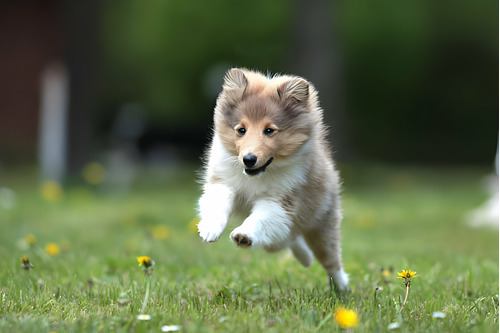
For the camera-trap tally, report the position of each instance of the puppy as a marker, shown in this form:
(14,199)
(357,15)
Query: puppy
(269,159)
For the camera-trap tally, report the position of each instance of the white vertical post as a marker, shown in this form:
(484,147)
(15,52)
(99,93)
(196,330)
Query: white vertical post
(52,130)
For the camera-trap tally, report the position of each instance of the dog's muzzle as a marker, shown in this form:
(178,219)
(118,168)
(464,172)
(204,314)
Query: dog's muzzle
(256,171)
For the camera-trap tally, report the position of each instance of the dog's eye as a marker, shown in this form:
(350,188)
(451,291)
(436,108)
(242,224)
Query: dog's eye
(268,131)
(242,131)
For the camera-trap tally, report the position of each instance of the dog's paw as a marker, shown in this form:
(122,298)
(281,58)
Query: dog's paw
(210,232)
(241,240)
(339,280)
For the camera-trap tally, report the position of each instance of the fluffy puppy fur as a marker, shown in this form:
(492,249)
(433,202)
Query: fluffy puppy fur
(269,160)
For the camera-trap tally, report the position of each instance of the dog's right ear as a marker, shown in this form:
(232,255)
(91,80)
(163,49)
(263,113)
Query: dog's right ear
(295,90)
(235,81)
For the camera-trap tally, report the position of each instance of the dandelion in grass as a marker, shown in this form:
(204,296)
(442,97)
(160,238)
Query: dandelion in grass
(52,249)
(386,274)
(51,191)
(30,239)
(94,173)
(346,318)
(25,264)
(26,242)
(406,275)
(161,232)
(144,260)
(148,265)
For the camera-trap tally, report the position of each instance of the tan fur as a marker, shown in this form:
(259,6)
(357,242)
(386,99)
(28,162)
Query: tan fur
(300,184)
(261,104)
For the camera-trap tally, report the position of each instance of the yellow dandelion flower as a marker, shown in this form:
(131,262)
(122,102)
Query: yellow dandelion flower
(386,273)
(30,239)
(94,173)
(193,225)
(144,260)
(148,269)
(161,232)
(346,318)
(26,263)
(52,249)
(51,191)
(407,274)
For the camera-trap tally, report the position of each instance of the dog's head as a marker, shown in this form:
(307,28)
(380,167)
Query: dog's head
(261,119)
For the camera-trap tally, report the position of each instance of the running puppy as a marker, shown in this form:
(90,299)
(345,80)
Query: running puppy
(269,160)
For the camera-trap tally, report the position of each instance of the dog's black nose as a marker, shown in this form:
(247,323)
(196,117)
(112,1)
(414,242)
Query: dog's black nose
(250,160)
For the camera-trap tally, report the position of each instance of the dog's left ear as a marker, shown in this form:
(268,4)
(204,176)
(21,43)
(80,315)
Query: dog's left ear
(235,80)
(235,84)
(295,90)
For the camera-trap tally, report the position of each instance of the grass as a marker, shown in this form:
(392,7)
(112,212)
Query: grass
(395,218)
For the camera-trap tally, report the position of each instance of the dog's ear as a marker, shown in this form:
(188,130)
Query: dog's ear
(296,90)
(235,80)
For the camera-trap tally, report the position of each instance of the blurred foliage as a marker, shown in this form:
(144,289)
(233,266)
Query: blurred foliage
(161,53)
(420,79)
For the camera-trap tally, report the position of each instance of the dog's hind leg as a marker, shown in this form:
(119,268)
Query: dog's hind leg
(325,244)
(302,252)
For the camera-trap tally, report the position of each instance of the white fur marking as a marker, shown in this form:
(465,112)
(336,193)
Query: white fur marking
(341,279)
(268,226)
(215,205)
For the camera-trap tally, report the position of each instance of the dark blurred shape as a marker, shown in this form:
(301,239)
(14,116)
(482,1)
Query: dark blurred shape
(315,54)
(35,35)
(122,154)
(82,52)
(30,38)
(128,125)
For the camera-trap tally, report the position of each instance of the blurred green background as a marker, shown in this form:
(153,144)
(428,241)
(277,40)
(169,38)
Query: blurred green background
(405,82)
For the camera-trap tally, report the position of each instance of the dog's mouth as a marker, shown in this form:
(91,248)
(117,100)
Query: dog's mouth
(256,171)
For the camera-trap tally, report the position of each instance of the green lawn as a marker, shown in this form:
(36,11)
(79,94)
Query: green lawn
(395,218)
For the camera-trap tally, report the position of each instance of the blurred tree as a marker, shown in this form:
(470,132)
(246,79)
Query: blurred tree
(82,51)
(406,81)
(158,54)
(422,79)
(315,54)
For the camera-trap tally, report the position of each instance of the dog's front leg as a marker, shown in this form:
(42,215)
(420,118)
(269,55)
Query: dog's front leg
(268,226)
(215,206)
